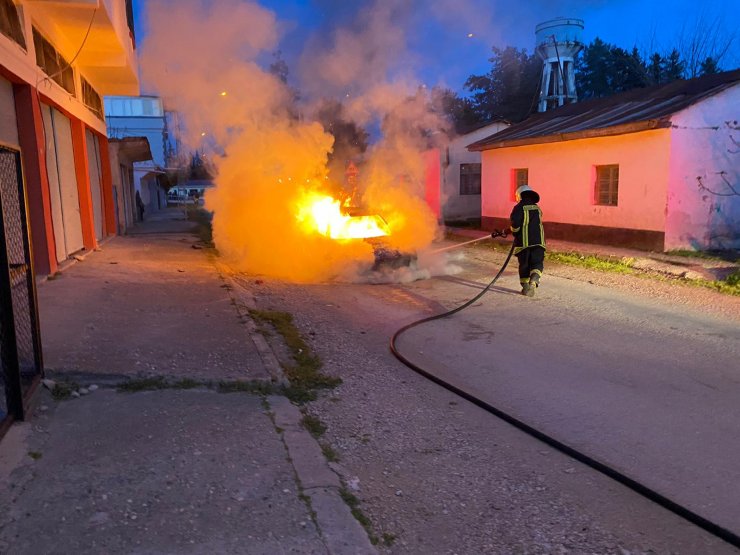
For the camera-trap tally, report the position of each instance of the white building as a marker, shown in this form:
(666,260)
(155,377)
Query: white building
(655,168)
(461,175)
(143,116)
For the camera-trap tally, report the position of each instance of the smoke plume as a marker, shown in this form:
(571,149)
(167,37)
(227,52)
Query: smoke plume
(207,60)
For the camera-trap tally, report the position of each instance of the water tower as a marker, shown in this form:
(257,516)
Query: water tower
(558,43)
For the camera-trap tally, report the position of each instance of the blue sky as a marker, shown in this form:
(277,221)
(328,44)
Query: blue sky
(444,53)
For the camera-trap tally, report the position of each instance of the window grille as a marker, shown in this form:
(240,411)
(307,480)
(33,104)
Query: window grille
(519,177)
(53,63)
(91,98)
(470,177)
(10,23)
(607,185)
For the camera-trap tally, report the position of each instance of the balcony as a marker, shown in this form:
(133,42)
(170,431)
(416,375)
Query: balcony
(108,59)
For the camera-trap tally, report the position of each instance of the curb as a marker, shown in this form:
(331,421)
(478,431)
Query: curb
(244,302)
(644,261)
(340,531)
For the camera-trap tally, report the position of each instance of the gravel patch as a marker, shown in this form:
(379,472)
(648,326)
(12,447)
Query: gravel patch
(435,474)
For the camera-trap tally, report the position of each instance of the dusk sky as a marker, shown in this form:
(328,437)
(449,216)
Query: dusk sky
(441,52)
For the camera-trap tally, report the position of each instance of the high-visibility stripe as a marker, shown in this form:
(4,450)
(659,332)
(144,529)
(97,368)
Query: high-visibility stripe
(538,272)
(515,229)
(525,227)
(542,229)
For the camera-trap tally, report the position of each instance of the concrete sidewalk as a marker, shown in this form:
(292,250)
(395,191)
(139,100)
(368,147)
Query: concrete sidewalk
(184,469)
(691,267)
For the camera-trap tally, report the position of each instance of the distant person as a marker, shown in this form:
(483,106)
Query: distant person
(140,206)
(529,239)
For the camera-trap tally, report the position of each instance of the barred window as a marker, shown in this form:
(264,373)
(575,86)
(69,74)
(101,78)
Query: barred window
(519,177)
(10,22)
(91,98)
(53,63)
(470,179)
(607,185)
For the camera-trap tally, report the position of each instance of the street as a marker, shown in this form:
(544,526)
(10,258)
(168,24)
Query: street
(639,374)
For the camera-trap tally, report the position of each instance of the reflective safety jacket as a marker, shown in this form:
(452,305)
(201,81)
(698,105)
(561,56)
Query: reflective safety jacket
(526,226)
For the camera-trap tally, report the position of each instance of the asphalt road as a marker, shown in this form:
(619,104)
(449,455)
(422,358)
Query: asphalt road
(639,381)
(644,386)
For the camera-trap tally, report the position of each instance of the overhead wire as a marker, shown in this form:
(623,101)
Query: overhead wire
(37,96)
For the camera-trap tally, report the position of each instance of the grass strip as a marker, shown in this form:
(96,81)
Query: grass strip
(314,426)
(728,286)
(594,262)
(305,374)
(354,505)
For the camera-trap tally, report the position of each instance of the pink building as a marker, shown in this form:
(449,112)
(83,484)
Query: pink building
(653,168)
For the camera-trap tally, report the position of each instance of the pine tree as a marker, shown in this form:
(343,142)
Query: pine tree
(673,67)
(655,69)
(709,67)
(593,70)
(627,71)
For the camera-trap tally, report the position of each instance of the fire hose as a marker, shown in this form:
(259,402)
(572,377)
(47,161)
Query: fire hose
(683,512)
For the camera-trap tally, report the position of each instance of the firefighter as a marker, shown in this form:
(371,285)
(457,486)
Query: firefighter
(529,239)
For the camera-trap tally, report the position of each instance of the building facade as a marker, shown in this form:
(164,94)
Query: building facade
(57,60)
(143,116)
(124,154)
(461,175)
(653,168)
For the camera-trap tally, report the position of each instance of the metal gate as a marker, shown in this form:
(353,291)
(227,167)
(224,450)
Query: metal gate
(20,342)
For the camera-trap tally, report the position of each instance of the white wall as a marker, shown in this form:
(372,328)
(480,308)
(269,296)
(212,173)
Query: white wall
(63,194)
(702,146)
(564,174)
(454,205)
(96,184)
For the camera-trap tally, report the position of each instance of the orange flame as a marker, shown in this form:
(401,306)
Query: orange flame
(323,214)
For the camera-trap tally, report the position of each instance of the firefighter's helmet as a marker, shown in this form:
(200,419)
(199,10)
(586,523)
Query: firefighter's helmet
(524,188)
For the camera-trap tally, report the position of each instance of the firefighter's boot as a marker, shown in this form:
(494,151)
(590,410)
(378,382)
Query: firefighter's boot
(534,283)
(527,289)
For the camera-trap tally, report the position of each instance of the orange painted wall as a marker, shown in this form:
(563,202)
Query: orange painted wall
(79,146)
(564,174)
(31,137)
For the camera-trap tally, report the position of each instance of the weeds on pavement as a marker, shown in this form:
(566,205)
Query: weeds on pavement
(305,374)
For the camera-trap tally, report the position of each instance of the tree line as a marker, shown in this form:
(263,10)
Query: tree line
(510,89)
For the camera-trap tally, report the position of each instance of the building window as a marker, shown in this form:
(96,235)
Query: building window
(470,179)
(607,185)
(519,177)
(10,22)
(91,98)
(52,62)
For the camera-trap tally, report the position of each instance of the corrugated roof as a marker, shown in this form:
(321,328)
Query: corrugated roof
(635,110)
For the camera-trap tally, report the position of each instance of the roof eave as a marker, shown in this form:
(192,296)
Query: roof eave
(633,127)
